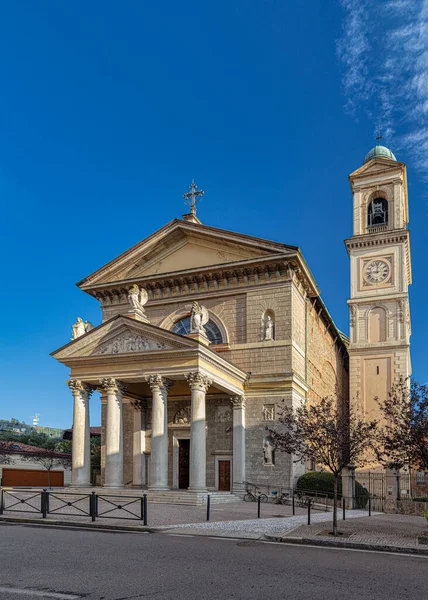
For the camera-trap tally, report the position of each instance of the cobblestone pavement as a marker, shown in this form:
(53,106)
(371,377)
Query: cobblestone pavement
(384,530)
(264,526)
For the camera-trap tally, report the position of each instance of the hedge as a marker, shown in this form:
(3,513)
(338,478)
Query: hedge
(323,482)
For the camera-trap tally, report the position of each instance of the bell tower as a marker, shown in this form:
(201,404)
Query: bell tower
(379,252)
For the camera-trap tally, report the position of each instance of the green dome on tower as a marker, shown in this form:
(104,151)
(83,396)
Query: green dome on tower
(379,152)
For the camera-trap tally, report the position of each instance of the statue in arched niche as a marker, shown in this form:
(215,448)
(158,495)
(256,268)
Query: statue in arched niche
(269,333)
(268,451)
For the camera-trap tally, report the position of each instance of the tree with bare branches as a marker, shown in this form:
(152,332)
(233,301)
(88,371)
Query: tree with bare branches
(404,431)
(329,432)
(4,453)
(49,459)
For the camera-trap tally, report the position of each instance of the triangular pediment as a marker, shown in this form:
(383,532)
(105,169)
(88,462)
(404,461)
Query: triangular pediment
(121,336)
(377,165)
(181,246)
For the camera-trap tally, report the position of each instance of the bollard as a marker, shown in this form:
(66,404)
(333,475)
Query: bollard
(145,508)
(47,502)
(208,507)
(1,502)
(142,509)
(43,504)
(294,506)
(258,506)
(344,507)
(370,506)
(309,511)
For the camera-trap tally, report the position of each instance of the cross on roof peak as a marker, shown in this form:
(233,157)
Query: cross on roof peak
(379,137)
(193,197)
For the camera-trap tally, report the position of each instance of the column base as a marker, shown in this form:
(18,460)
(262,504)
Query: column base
(158,488)
(197,490)
(117,486)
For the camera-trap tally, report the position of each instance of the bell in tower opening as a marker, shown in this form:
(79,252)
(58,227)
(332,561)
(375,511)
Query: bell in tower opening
(378,212)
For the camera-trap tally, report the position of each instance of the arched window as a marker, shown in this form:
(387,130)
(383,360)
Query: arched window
(213,332)
(377,325)
(378,212)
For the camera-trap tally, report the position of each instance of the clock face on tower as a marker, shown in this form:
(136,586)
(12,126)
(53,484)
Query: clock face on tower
(377,271)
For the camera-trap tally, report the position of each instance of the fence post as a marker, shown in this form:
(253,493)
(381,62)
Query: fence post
(370,505)
(44,504)
(1,502)
(343,506)
(294,506)
(142,509)
(93,505)
(145,508)
(208,507)
(309,511)
(258,506)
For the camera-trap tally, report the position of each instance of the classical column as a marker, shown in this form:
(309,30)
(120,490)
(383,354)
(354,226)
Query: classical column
(114,435)
(199,385)
(81,449)
(238,464)
(159,456)
(139,476)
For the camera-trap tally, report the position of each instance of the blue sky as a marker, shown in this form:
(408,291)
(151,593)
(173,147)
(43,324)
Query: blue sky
(108,110)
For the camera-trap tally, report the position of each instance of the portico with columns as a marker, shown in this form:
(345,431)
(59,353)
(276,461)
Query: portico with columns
(179,371)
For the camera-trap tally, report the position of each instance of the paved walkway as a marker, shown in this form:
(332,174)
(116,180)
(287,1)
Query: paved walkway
(395,531)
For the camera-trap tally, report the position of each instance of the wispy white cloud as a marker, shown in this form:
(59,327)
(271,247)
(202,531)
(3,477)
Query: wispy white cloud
(384,54)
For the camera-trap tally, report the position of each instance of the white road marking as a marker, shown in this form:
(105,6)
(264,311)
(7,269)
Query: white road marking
(38,593)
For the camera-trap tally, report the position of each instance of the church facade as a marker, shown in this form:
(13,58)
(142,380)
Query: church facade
(205,332)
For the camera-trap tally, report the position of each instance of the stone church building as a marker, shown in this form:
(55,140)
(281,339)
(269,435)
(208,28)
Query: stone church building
(204,332)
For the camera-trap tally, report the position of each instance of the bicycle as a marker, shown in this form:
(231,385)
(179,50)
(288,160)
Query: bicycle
(254,496)
(282,498)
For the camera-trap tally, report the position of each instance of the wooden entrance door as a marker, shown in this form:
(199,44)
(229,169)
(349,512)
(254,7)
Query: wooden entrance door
(183,464)
(224,475)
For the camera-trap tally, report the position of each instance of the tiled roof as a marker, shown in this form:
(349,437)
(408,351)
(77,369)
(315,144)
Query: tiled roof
(20,448)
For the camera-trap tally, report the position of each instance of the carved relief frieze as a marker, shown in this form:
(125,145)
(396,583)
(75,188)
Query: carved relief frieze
(223,414)
(182,416)
(130,342)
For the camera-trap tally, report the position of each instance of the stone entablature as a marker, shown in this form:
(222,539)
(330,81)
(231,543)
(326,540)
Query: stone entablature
(266,271)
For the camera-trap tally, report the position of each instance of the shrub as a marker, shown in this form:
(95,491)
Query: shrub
(323,482)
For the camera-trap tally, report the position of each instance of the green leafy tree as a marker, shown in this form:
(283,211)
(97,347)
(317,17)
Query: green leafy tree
(40,440)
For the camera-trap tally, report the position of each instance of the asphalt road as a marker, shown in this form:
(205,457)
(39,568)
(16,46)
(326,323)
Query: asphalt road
(63,564)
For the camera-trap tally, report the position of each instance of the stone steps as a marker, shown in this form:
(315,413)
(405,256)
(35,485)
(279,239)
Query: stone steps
(181,497)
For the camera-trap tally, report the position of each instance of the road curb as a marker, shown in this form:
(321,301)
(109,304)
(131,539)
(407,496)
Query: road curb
(78,525)
(347,545)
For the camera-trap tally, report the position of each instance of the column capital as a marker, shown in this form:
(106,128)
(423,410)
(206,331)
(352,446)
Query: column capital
(157,381)
(238,401)
(198,381)
(139,404)
(111,385)
(77,387)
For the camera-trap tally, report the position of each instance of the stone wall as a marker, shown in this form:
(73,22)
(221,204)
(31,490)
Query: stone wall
(327,362)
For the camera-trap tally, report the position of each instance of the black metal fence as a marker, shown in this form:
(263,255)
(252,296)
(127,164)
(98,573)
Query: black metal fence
(70,504)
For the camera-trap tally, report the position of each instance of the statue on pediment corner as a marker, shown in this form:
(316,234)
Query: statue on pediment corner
(199,317)
(137,297)
(79,328)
